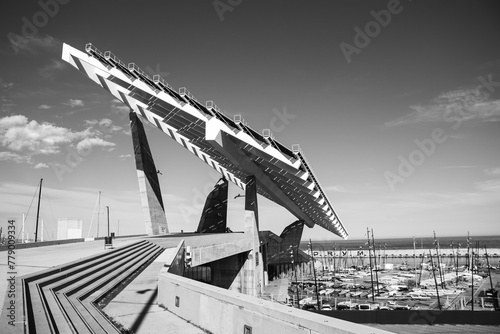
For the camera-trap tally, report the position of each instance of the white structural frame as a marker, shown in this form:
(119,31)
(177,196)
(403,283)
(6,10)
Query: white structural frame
(227,145)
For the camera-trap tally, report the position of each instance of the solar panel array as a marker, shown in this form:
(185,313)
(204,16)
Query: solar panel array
(283,174)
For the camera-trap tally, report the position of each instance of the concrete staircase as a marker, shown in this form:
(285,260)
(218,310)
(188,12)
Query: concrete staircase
(65,299)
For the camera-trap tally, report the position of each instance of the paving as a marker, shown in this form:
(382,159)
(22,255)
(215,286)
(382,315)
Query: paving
(136,307)
(32,260)
(277,290)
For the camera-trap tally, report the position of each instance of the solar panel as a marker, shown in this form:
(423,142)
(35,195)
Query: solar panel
(284,175)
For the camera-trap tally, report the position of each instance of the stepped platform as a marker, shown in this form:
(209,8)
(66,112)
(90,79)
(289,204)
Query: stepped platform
(136,306)
(66,298)
(61,288)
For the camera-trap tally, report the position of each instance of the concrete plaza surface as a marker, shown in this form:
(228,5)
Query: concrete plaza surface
(31,260)
(136,308)
(155,320)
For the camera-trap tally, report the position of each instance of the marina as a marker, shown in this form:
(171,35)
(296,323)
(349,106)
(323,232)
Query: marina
(418,279)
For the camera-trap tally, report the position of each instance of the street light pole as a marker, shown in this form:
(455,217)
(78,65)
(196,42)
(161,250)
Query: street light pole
(107,209)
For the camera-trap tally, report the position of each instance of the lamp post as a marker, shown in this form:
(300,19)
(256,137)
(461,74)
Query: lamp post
(107,209)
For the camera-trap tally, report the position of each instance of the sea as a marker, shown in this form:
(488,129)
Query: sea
(400,250)
(490,242)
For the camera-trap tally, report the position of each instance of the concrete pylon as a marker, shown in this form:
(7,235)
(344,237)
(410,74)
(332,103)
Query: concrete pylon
(254,266)
(149,186)
(214,216)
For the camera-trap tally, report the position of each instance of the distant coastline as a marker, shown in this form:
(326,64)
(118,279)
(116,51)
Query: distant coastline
(490,242)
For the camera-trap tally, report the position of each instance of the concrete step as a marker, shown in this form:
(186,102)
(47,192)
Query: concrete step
(90,302)
(84,300)
(76,309)
(48,292)
(64,299)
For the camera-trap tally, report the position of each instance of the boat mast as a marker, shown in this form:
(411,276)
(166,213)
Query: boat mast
(468,252)
(435,280)
(22,230)
(371,268)
(436,244)
(414,255)
(375,262)
(472,282)
(334,249)
(38,209)
(314,272)
(488,264)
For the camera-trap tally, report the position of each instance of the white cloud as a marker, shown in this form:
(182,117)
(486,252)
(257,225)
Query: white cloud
(48,71)
(10,121)
(34,45)
(459,167)
(489,185)
(461,104)
(124,156)
(17,158)
(88,143)
(45,107)
(106,122)
(19,135)
(119,107)
(91,122)
(336,188)
(492,171)
(6,85)
(74,103)
(25,139)
(105,125)
(40,165)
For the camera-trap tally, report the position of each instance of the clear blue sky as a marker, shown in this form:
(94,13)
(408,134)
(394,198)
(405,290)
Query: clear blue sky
(395,104)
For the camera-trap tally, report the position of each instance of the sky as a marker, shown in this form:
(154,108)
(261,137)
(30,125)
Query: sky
(395,104)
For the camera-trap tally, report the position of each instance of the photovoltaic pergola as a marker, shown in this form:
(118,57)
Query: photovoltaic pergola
(226,144)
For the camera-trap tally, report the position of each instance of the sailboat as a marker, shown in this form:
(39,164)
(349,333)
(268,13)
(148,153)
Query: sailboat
(98,205)
(24,235)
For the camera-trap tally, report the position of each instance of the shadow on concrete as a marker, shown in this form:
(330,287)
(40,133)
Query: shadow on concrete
(140,318)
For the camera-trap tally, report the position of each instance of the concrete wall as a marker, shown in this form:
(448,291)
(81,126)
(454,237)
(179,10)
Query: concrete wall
(222,311)
(209,253)
(417,317)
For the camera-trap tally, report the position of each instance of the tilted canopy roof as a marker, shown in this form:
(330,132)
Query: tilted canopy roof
(226,144)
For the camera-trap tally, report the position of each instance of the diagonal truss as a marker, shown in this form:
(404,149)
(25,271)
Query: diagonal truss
(227,145)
